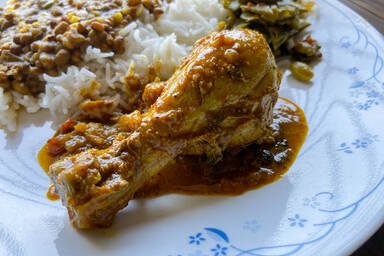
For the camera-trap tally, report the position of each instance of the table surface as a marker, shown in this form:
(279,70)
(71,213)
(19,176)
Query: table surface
(373,11)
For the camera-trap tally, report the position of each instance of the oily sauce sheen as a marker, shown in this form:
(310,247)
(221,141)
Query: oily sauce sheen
(238,172)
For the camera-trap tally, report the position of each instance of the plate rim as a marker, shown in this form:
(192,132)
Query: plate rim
(371,227)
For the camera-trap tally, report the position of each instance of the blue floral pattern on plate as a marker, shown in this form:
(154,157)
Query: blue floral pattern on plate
(334,186)
(296,221)
(197,239)
(358,144)
(252,225)
(366,93)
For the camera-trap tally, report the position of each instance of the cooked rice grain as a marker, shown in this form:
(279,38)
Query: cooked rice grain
(149,44)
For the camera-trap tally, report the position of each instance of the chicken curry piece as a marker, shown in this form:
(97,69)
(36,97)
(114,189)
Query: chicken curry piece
(245,169)
(218,102)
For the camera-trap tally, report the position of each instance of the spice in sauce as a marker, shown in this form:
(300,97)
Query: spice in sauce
(238,172)
(252,167)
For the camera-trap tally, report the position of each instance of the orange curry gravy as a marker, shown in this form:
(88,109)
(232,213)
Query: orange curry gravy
(238,172)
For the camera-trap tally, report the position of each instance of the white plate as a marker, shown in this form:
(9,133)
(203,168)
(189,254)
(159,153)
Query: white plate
(329,202)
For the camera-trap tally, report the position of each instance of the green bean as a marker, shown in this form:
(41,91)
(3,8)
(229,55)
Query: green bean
(282,22)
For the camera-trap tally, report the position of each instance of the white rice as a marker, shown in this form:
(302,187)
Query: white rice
(160,44)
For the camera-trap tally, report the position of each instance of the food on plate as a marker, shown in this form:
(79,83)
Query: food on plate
(301,71)
(45,37)
(239,170)
(144,117)
(220,98)
(56,54)
(282,22)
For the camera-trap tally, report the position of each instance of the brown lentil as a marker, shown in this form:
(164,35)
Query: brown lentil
(62,57)
(46,36)
(97,26)
(61,28)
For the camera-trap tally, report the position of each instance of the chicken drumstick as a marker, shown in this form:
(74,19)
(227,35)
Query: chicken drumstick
(221,97)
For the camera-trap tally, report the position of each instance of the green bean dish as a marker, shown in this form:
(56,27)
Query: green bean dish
(283,23)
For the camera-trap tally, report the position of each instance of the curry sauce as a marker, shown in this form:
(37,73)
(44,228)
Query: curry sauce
(238,172)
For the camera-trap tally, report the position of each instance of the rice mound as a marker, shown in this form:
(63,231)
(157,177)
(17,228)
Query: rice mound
(148,43)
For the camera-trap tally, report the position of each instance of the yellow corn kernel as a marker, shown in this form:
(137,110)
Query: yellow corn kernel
(117,17)
(221,25)
(9,9)
(101,20)
(74,19)
(96,13)
(125,11)
(36,24)
(24,29)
